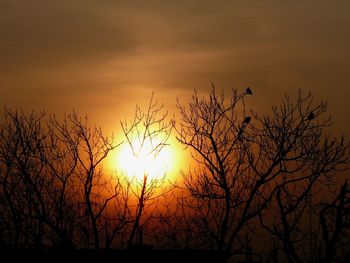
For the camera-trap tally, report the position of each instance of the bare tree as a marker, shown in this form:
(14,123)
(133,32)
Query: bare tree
(243,162)
(116,218)
(335,226)
(275,167)
(53,188)
(92,147)
(18,140)
(308,157)
(213,131)
(146,134)
(35,179)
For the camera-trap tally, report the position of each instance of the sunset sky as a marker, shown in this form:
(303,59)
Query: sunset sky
(103,57)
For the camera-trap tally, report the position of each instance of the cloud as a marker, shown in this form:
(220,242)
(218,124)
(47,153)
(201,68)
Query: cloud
(49,33)
(82,50)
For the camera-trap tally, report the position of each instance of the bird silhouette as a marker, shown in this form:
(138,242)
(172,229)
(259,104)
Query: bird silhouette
(249,91)
(311,116)
(247,120)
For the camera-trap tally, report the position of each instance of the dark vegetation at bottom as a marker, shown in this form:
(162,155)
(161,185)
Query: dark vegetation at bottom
(117,255)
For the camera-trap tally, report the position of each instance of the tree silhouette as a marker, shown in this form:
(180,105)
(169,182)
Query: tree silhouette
(91,147)
(335,225)
(243,163)
(52,186)
(37,178)
(147,133)
(309,158)
(23,187)
(274,174)
(213,129)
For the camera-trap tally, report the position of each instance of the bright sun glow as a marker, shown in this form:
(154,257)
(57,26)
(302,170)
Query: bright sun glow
(144,161)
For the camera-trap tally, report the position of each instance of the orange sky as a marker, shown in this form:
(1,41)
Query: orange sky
(103,57)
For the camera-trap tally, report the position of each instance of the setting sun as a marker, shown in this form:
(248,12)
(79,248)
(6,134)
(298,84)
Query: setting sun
(143,160)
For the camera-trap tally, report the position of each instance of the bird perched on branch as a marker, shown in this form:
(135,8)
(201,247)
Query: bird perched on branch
(311,116)
(249,91)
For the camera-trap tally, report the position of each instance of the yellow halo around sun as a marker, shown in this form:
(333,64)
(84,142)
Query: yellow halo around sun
(143,160)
